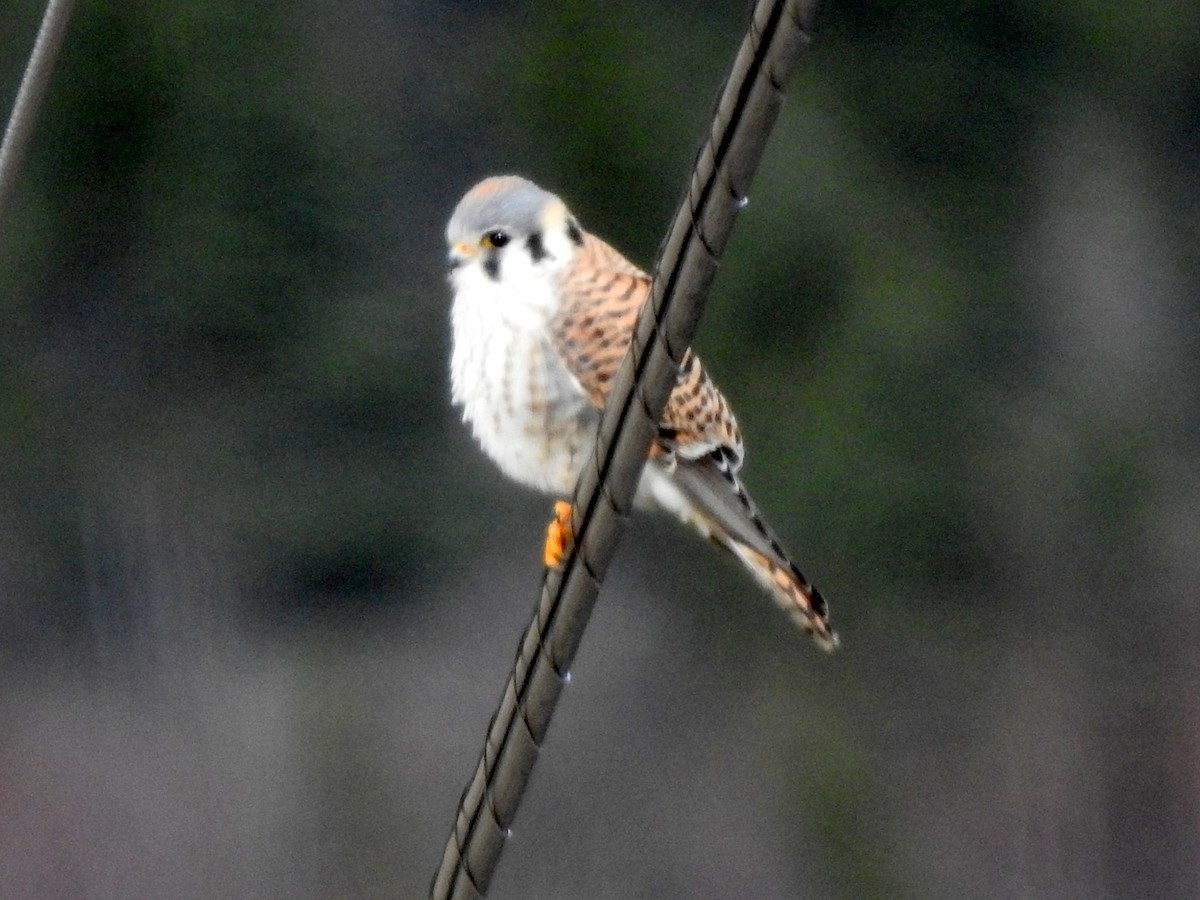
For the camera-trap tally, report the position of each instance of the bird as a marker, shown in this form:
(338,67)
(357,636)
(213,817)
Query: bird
(542,314)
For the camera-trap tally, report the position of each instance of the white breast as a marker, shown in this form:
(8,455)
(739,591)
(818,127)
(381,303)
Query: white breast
(526,410)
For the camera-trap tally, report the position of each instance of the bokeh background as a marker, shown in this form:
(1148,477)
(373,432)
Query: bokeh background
(259,592)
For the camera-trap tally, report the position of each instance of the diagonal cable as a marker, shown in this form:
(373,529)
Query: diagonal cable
(745,114)
(31,92)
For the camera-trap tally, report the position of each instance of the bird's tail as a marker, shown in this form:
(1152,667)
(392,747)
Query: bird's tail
(709,495)
(791,590)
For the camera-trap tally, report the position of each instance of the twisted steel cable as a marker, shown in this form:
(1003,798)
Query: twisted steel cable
(746,111)
(31,92)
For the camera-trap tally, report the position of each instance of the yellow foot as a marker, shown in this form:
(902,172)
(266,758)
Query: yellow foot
(558,534)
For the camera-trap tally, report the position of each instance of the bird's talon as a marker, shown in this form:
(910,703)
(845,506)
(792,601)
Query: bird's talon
(558,534)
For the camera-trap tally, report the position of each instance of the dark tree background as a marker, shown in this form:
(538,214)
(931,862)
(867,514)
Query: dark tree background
(259,591)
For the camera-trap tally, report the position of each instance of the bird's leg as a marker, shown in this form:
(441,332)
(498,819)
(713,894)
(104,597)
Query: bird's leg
(558,534)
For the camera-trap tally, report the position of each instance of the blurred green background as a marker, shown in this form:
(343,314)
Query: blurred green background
(259,592)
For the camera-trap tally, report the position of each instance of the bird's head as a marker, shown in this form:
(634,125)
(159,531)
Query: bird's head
(507,227)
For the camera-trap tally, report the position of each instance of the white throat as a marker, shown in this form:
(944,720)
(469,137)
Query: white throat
(505,372)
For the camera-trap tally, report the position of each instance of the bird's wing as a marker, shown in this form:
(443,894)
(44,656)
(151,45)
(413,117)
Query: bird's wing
(698,452)
(591,333)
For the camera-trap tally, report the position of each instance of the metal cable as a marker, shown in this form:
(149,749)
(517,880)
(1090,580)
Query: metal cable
(31,92)
(745,114)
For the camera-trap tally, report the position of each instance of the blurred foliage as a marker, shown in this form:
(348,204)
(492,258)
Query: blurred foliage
(957,322)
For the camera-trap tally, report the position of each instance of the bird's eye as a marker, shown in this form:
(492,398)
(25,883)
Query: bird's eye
(495,239)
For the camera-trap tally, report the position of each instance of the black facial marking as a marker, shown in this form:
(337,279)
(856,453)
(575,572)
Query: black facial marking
(537,247)
(574,233)
(491,266)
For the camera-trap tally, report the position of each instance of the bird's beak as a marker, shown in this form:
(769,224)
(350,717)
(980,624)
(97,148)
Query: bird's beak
(459,254)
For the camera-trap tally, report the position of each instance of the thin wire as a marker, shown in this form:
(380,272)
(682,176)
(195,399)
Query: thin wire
(30,95)
(745,113)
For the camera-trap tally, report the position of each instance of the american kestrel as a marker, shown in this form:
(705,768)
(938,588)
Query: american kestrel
(543,313)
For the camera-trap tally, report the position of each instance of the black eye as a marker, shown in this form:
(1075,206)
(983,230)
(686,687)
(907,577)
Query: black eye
(496,238)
